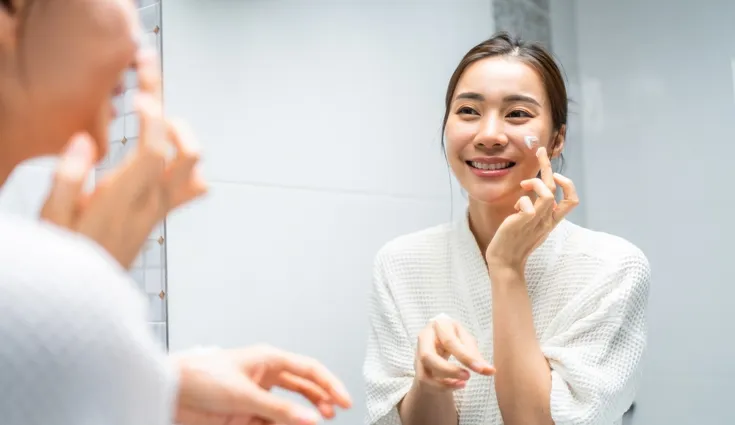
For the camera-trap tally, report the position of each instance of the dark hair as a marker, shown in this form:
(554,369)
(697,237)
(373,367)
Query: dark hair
(7,4)
(533,55)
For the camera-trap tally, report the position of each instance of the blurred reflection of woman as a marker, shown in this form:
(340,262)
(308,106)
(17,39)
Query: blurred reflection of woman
(76,348)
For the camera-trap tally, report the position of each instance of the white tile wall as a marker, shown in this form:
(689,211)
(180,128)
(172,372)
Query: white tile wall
(149,269)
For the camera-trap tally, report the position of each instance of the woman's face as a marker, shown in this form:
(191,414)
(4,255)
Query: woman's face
(68,57)
(498,101)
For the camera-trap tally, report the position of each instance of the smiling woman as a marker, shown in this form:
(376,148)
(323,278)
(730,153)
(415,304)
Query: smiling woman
(512,315)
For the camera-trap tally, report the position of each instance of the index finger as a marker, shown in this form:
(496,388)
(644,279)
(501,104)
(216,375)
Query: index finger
(183,180)
(452,344)
(547,174)
(149,72)
(483,366)
(436,365)
(252,399)
(313,371)
(149,104)
(152,141)
(76,163)
(312,392)
(570,201)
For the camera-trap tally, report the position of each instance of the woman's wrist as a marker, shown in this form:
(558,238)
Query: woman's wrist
(501,271)
(426,398)
(427,390)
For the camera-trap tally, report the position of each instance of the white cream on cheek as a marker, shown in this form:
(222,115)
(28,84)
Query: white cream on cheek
(531,142)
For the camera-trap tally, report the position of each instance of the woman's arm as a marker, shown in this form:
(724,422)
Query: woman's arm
(523,377)
(394,395)
(586,372)
(427,406)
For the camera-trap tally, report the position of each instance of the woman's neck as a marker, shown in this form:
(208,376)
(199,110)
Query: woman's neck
(485,221)
(14,149)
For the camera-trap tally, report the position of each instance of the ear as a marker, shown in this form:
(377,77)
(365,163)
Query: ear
(557,144)
(8,26)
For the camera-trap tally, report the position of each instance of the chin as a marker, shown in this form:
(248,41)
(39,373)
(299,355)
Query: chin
(102,147)
(99,136)
(100,133)
(494,194)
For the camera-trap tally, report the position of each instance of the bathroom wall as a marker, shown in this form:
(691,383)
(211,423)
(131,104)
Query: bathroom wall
(149,270)
(658,105)
(320,126)
(529,19)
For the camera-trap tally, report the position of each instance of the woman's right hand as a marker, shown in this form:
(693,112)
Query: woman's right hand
(441,339)
(127,204)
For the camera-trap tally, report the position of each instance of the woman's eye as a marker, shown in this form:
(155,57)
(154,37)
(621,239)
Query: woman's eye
(466,110)
(519,114)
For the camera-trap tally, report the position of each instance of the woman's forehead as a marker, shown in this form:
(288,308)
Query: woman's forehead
(500,76)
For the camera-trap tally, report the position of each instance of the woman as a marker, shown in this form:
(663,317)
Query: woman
(512,314)
(75,344)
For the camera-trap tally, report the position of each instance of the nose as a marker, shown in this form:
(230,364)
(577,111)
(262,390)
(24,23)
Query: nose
(491,133)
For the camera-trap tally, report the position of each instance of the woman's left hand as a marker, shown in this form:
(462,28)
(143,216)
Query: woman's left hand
(233,387)
(524,231)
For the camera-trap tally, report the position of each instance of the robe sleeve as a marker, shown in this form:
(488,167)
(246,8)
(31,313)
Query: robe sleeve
(595,351)
(388,369)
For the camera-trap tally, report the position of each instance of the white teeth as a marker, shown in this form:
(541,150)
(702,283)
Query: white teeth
(484,166)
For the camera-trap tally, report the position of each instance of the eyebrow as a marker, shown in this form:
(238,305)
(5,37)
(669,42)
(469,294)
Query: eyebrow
(510,98)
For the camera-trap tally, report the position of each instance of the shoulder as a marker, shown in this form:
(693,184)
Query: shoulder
(415,247)
(603,247)
(61,280)
(44,253)
(607,256)
(70,315)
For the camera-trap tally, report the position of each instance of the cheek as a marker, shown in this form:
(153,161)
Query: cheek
(458,135)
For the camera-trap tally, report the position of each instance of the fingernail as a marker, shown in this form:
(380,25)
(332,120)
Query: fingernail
(342,391)
(481,366)
(146,55)
(78,157)
(307,417)
(79,147)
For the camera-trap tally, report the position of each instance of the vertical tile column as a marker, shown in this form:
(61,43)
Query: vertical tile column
(149,269)
(530,19)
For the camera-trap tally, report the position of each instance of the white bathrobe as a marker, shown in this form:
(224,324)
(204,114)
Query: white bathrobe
(75,347)
(589,292)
